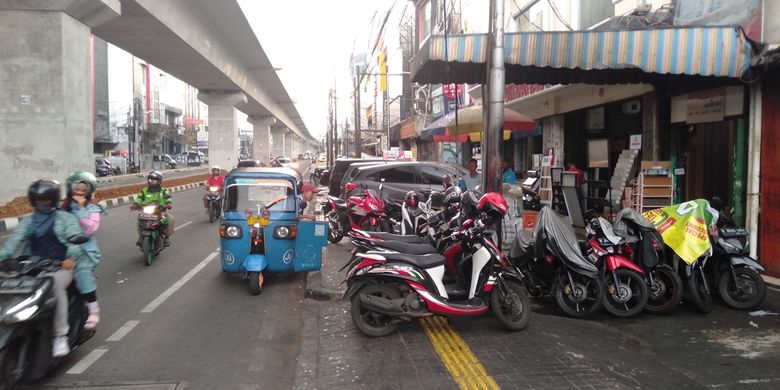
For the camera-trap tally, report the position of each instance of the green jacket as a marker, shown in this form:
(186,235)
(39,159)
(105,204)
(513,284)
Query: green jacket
(161,197)
(65,226)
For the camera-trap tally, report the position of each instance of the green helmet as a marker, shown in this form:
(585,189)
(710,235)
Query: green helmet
(81,177)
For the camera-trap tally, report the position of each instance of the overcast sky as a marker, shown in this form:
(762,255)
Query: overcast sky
(311,40)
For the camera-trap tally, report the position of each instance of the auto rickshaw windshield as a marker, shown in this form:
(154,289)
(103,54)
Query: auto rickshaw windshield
(273,194)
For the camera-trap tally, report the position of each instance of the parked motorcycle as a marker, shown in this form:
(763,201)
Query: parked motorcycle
(386,288)
(733,271)
(642,243)
(553,264)
(150,222)
(363,210)
(26,317)
(625,292)
(214,200)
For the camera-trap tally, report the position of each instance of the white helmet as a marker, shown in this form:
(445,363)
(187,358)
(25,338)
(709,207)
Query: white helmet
(216,167)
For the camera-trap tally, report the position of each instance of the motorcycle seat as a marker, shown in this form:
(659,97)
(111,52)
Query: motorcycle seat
(397,237)
(423,261)
(407,248)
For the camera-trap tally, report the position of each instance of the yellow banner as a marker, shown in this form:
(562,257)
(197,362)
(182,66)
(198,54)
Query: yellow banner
(684,228)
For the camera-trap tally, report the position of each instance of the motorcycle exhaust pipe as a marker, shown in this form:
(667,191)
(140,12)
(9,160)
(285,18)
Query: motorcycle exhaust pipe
(391,307)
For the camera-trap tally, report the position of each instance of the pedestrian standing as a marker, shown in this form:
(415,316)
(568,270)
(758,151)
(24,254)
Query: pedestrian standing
(472,179)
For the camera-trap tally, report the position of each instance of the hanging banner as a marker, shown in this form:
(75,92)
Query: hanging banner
(684,228)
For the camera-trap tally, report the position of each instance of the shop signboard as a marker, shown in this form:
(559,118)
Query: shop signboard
(706,106)
(596,119)
(516,91)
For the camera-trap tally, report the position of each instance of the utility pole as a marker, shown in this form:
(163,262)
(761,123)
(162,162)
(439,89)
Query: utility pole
(330,128)
(358,148)
(335,123)
(493,130)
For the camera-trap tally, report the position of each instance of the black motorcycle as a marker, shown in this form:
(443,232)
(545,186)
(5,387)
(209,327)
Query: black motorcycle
(27,306)
(733,271)
(214,200)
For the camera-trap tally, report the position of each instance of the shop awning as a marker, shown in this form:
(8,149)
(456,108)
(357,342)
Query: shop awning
(591,57)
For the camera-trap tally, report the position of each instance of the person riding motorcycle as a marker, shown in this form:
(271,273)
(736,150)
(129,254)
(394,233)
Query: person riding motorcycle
(216,180)
(53,234)
(156,193)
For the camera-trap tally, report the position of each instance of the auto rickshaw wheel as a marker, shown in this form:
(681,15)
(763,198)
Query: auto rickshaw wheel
(256,283)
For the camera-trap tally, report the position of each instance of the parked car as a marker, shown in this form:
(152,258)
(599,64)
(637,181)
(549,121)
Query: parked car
(250,164)
(338,171)
(194,159)
(282,162)
(398,178)
(165,159)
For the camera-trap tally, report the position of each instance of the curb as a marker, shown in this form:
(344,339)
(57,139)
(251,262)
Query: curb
(7,224)
(314,289)
(775,282)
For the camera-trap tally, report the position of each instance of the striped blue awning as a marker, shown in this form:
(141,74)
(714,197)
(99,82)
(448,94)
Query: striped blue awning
(696,51)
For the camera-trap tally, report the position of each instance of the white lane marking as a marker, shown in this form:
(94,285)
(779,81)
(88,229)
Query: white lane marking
(123,331)
(87,361)
(183,225)
(165,295)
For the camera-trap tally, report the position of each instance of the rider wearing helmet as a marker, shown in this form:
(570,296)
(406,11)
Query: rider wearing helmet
(215,180)
(155,193)
(49,233)
(79,201)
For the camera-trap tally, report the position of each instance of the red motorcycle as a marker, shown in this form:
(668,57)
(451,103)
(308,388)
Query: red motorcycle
(626,292)
(364,210)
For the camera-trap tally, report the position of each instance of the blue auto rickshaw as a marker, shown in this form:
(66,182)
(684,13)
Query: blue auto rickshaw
(260,231)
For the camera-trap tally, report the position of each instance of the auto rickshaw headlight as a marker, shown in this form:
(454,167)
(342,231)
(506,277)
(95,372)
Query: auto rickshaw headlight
(230,231)
(285,231)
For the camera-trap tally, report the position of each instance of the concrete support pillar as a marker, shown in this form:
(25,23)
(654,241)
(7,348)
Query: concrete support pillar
(278,138)
(651,144)
(288,144)
(224,145)
(46,103)
(262,137)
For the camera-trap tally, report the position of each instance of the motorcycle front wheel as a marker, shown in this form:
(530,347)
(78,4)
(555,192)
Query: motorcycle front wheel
(147,248)
(256,283)
(335,234)
(701,298)
(746,292)
(510,305)
(665,292)
(9,360)
(582,298)
(212,212)
(371,323)
(625,293)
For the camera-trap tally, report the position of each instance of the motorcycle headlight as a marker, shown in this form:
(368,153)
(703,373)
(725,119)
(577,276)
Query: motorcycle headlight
(25,309)
(213,188)
(150,209)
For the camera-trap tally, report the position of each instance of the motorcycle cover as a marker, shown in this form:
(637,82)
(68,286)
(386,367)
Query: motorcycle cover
(684,227)
(634,228)
(555,232)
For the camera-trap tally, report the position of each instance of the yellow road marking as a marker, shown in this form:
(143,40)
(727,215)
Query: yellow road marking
(453,351)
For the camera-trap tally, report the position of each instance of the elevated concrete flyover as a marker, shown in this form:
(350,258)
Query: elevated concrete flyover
(45,108)
(211,46)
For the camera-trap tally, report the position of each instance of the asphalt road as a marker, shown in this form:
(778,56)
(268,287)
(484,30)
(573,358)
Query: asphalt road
(136,178)
(210,332)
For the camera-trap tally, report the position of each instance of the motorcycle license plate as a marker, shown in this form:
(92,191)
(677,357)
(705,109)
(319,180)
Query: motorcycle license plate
(253,220)
(147,217)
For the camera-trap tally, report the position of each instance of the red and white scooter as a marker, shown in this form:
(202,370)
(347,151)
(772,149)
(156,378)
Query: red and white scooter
(386,288)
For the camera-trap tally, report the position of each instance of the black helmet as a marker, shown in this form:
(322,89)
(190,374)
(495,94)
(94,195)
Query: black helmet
(452,195)
(470,201)
(154,175)
(44,189)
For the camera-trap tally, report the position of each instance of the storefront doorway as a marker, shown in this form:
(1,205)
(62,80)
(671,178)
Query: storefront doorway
(707,158)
